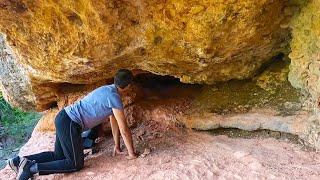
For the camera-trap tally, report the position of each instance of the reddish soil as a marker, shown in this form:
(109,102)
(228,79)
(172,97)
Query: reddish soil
(186,154)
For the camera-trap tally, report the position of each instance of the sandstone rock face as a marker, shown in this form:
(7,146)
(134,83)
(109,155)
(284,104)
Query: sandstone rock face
(14,83)
(305,46)
(59,43)
(305,61)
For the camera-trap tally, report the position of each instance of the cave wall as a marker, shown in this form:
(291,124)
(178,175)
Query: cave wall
(305,50)
(15,83)
(84,42)
(305,62)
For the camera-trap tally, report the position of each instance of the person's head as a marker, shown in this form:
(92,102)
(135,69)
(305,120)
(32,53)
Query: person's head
(123,78)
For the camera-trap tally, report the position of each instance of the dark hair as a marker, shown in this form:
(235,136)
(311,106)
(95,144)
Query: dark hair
(123,78)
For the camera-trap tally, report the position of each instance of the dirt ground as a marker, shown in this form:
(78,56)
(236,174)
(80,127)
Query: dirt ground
(175,153)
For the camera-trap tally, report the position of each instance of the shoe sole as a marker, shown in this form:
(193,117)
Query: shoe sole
(12,166)
(22,163)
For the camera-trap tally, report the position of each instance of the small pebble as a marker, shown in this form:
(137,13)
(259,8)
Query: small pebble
(90,173)
(146,152)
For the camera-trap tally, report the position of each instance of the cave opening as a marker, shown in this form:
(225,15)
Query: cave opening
(269,88)
(262,106)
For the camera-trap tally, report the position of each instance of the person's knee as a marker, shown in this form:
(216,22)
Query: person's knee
(75,166)
(79,166)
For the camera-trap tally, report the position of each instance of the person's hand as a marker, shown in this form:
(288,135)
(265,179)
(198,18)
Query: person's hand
(117,151)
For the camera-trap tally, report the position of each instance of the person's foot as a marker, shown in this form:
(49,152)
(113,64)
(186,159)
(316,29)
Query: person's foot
(24,169)
(14,163)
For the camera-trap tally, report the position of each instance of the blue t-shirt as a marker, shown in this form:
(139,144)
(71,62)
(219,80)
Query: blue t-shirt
(95,107)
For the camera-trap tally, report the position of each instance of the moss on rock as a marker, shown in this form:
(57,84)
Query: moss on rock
(270,89)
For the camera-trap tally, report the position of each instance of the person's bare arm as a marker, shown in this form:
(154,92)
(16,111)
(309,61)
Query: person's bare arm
(116,135)
(125,131)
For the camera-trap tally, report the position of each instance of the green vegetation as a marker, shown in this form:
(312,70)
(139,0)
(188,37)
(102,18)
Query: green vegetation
(16,123)
(15,129)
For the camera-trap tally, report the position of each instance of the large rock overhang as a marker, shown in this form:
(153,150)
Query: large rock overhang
(85,42)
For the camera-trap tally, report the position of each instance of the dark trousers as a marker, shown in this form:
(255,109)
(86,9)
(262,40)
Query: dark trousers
(68,150)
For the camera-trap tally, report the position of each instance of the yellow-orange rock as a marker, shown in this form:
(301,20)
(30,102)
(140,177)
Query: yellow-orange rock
(46,123)
(305,46)
(305,61)
(57,44)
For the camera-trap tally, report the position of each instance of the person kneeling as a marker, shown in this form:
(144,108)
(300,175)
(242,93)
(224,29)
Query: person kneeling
(100,104)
